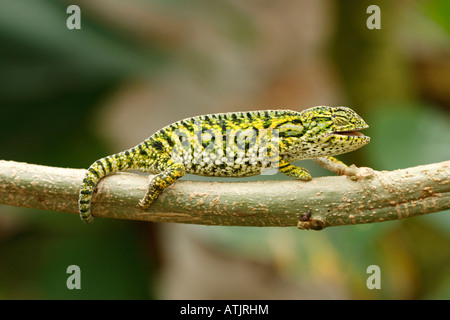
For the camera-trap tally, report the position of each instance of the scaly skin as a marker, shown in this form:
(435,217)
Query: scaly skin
(237,144)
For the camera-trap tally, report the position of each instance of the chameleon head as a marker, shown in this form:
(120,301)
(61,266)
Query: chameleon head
(334,130)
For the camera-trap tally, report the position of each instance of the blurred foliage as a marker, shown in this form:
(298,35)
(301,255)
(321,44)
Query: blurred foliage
(34,260)
(56,82)
(51,81)
(438,11)
(407,135)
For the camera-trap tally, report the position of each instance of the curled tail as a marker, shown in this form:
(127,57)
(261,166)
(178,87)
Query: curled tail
(115,163)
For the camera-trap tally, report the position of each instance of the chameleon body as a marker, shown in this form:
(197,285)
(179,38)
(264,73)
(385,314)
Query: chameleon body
(236,144)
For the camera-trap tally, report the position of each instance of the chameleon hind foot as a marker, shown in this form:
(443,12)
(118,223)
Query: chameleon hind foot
(155,188)
(160,182)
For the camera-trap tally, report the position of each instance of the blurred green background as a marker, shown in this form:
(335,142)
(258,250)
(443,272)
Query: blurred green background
(69,97)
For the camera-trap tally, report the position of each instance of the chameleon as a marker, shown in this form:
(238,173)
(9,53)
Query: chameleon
(234,144)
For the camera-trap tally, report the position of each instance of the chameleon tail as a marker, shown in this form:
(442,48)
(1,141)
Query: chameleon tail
(115,163)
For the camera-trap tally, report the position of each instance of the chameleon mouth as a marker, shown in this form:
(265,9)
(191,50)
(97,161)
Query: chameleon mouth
(351,133)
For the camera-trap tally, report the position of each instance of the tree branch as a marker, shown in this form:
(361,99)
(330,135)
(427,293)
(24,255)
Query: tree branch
(370,196)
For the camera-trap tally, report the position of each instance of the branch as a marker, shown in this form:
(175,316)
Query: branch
(370,196)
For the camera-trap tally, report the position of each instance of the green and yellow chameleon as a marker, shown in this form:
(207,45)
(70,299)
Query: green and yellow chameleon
(235,144)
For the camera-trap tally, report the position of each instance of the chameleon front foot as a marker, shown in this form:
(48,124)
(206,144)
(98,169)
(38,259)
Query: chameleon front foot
(340,168)
(334,165)
(294,172)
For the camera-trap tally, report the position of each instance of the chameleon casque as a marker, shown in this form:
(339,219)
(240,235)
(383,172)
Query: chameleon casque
(235,144)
